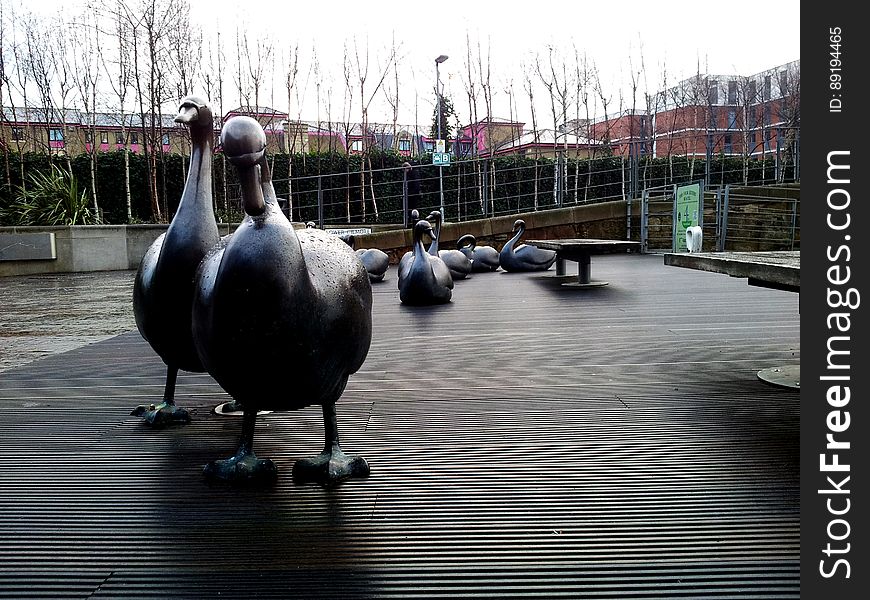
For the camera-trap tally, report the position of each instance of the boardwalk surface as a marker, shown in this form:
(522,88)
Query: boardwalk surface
(525,440)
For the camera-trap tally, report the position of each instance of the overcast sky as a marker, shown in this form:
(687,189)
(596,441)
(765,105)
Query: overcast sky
(676,38)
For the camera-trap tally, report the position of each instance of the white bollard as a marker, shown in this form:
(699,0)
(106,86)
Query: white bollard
(694,236)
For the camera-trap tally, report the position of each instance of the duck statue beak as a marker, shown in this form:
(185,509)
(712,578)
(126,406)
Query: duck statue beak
(187,114)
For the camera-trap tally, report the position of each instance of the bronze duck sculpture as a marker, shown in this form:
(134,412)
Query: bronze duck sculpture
(281,318)
(163,288)
(484,259)
(524,257)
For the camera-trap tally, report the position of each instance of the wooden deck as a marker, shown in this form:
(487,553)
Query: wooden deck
(524,440)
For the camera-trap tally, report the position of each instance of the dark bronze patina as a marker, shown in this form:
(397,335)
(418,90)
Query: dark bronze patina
(163,289)
(423,278)
(484,259)
(280,318)
(524,257)
(375,261)
(456,261)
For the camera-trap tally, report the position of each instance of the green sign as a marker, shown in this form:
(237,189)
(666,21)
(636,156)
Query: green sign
(687,213)
(441,158)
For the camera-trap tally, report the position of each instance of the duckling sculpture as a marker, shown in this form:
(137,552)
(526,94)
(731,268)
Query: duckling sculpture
(424,278)
(163,288)
(524,257)
(375,261)
(281,318)
(484,259)
(458,264)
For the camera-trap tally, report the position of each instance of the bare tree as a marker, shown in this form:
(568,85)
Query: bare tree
(214,89)
(86,41)
(556,85)
(361,64)
(119,74)
(472,93)
(530,91)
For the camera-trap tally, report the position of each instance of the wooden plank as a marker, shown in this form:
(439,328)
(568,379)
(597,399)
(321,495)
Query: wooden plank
(524,441)
(776,269)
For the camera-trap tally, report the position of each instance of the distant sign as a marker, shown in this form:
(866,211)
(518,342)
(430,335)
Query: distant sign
(687,213)
(358,231)
(441,158)
(440,146)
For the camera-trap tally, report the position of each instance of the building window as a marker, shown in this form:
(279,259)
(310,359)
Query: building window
(356,146)
(430,146)
(752,140)
(17,134)
(465,148)
(729,148)
(713,92)
(767,137)
(134,137)
(751,92)
(732,92)
(404,145)
(732,118)
(119,138)
(783,82)
(767,114)
(89,136)
(55,135)
(766,93)
(104,137)
(165,139)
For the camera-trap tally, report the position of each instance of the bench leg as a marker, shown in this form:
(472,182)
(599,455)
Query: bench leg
(561,267)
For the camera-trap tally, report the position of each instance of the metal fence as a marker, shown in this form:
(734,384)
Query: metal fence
(474,189)
(734,218)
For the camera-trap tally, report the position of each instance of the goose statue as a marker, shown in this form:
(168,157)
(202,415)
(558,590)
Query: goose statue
(408,256)
(281,319)
(484,259)
(524,257)
(375,261)
(424,278)
(458,263)
(163,287)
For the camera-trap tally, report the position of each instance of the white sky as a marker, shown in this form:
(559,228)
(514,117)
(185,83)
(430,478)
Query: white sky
(725,38)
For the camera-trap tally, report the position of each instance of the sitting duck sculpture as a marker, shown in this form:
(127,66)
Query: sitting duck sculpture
(524,257)
(163,288)
(423,278)
(484,259)
(457,262)
(281,318)
(375,261)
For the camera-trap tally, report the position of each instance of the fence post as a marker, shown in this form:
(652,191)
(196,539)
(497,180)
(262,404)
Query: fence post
(405,198)
(320,201)
(724,235)
(644,222)
(793,222)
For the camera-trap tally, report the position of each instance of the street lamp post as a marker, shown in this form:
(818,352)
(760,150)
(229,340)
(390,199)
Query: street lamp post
(441,58)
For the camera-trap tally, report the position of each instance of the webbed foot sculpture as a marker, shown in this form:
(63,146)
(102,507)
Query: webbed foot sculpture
(244,467)
(329,467)
(332,465)
(165,413)
(160,415)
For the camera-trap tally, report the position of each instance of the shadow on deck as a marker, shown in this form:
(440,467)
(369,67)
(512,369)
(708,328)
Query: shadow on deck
(539,441)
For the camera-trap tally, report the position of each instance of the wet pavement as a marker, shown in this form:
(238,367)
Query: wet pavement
(41,315)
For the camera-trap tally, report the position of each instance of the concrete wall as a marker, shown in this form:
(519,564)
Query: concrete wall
(85,248)
(605,220)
